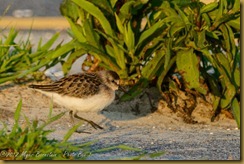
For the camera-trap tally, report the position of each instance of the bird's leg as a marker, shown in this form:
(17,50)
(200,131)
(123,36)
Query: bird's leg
(73,122)
(71,116)
(93,124)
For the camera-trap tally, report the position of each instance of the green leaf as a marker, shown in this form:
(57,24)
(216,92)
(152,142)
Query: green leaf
(113,2)
(228,95)
(69,9)
(157,154)
(11,61)
(8,41)
(10,38)
(71,59)
(216,101)
(232,43)
(206,19)
(129,37)
(125,9)
(236,6)
(52,119)
(167,53)
(125,147)
(237,77)
(182,3)
(212,34)
(184,17)
(209,7)
(110,50)
(168,10)
(70,132)
(224,63)
(200,38)
(209,56)
(149,49)
(235,23)
(236,110)
(118,50)
(220,10)
(213,84)
(146,34)
(91,36)
(122,147)
(49,43)
(17,112)
(64,49)
(229,89)
(224,19)
(187,64)
(39,44)
(227,41)
(17,116)
(135,90)
(97,13)
(119,56)
(176,27)
(236,70)
(77,30)
(103,4)
(50,109)
(150,69)
(119,24)
(163,73)
(116,42)
(21,141)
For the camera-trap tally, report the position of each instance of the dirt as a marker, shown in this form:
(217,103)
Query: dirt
(134,124)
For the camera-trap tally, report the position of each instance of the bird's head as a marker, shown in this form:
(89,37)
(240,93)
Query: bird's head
(111,79)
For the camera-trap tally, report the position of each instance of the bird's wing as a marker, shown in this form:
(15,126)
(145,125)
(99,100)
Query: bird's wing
(77,85)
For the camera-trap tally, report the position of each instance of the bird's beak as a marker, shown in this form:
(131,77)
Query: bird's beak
(123,90)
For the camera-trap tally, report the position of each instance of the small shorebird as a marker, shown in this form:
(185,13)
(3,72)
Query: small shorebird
(83,92)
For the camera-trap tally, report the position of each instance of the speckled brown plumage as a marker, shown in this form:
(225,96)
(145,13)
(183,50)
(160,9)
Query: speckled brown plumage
(78,85)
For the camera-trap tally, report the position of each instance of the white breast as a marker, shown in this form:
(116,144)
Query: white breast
(91,104)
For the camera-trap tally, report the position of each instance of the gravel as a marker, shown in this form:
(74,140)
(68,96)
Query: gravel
(188,143)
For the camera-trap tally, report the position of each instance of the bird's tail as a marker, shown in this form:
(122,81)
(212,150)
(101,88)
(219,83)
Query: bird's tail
(41,87)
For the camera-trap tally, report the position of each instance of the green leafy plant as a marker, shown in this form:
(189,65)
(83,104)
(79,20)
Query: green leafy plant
(31,142)
(148,42)
(18,62)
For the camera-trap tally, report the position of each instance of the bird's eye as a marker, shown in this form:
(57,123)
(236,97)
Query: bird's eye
(115,82)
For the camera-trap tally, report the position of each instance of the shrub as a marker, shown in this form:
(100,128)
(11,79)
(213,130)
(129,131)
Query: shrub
(148,42)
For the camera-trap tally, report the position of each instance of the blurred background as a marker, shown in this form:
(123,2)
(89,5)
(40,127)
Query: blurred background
(35,20)
(42,17)
(29,8)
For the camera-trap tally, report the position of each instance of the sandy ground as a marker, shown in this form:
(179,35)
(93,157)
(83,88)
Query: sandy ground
(133,124)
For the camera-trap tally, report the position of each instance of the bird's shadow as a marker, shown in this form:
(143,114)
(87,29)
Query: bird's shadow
(141,106)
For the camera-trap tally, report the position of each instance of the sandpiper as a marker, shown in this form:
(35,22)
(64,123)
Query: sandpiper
(83,92)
